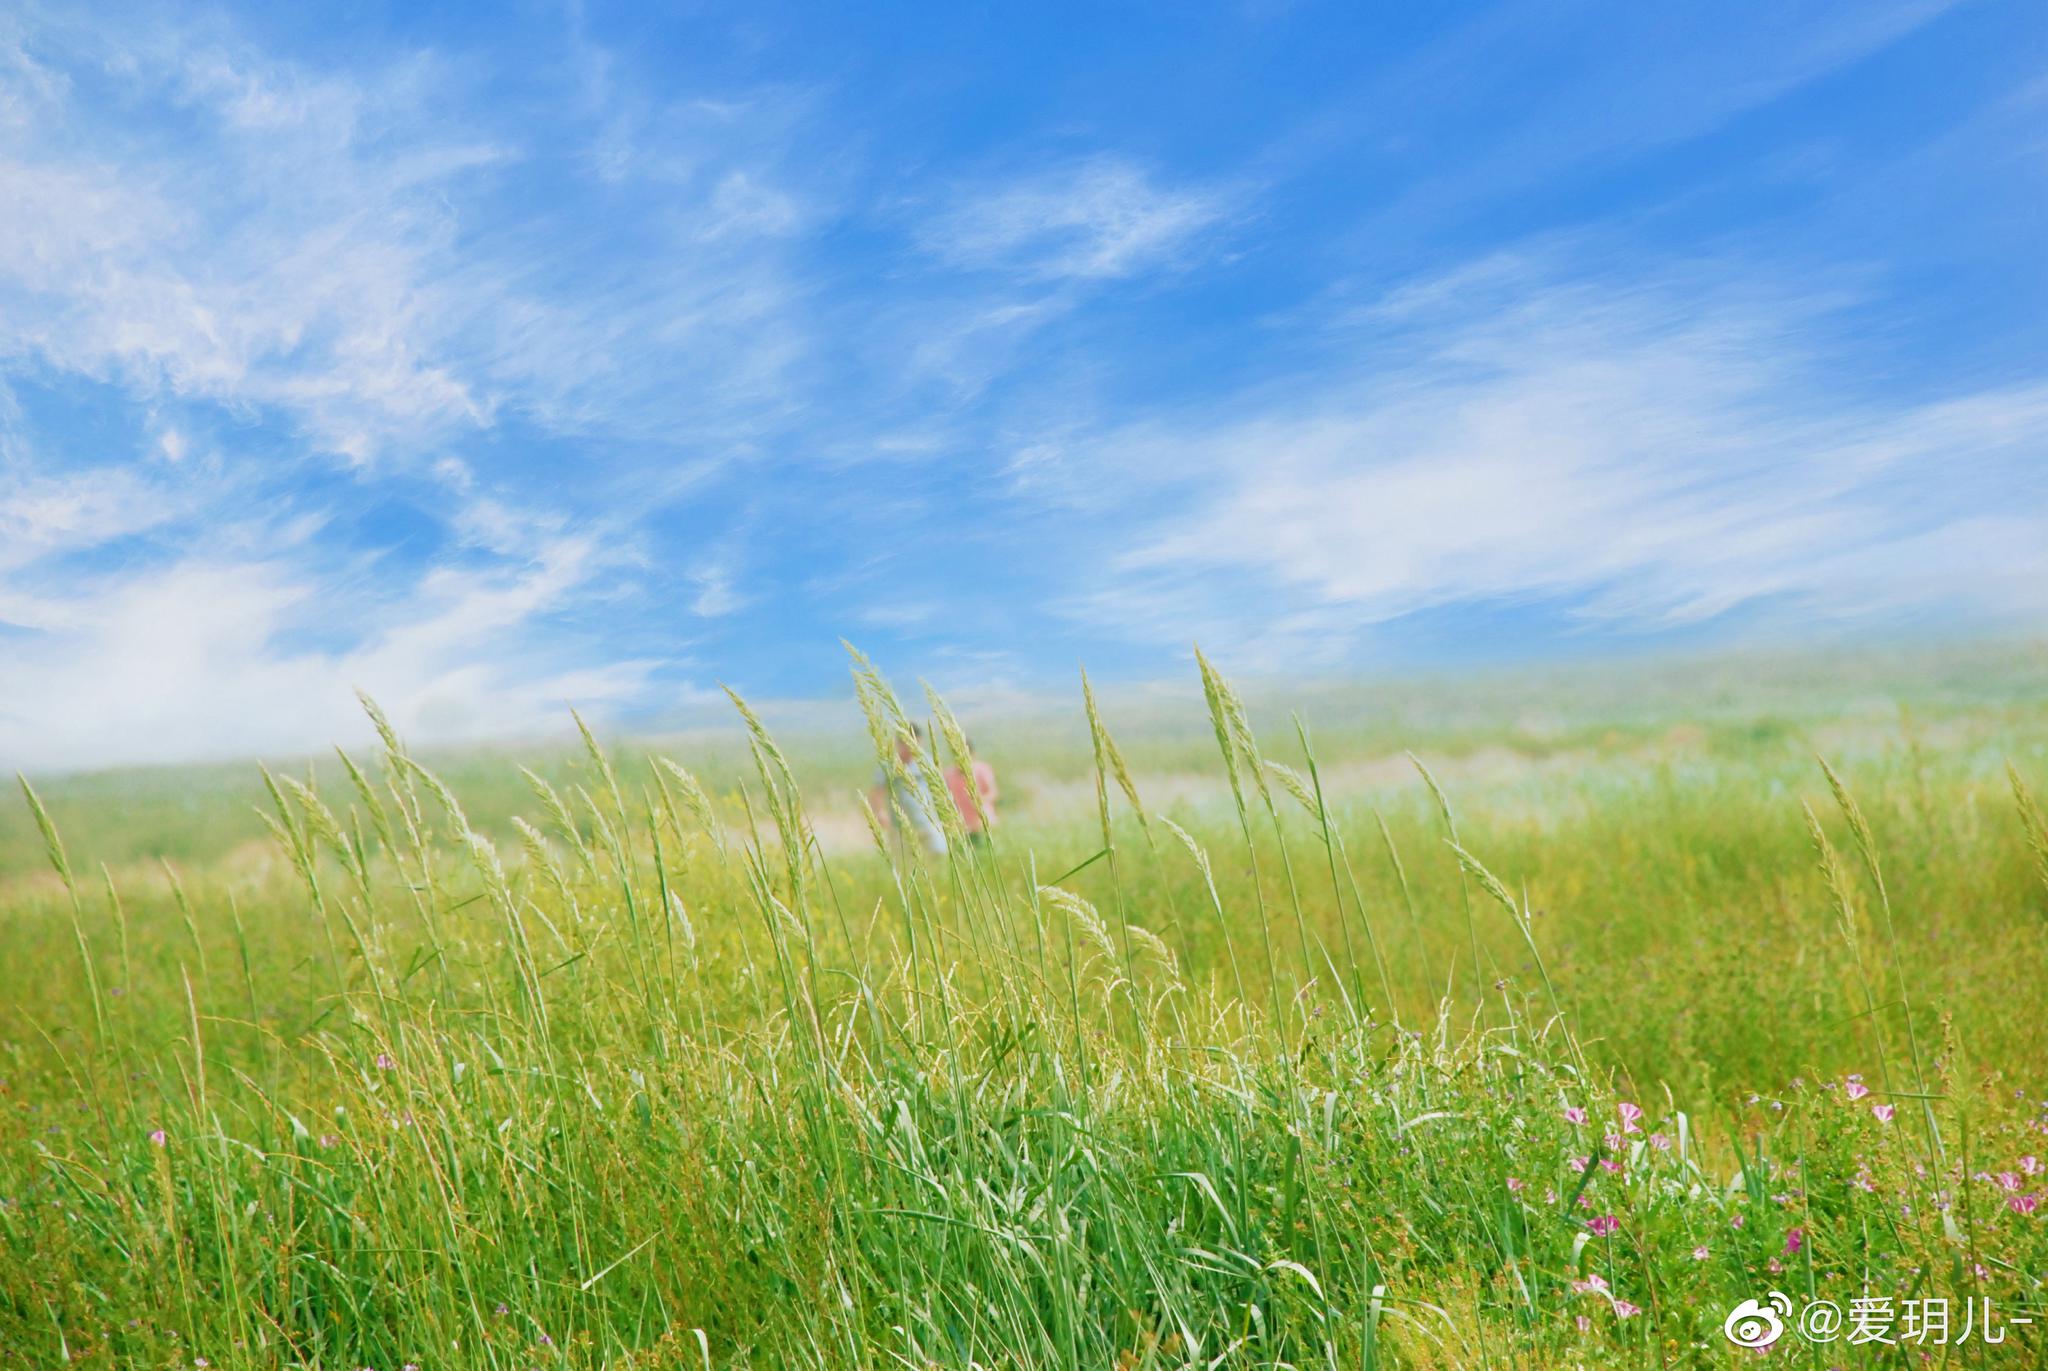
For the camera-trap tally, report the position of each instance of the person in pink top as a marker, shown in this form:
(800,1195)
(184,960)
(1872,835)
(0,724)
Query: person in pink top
(974,818)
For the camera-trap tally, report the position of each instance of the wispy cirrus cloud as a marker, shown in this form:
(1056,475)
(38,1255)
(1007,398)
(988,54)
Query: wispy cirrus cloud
(369,253)
(1538,95)
(368,272)
(1636,454)
(267,263)
(1095,219)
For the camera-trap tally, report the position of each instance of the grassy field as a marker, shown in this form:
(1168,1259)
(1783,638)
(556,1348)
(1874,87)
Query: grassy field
(1250,1040)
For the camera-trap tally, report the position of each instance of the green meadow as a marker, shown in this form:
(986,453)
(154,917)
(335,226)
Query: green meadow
(1524,1019)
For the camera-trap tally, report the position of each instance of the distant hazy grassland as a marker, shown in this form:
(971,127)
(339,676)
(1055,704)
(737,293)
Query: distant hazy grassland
(1229,1051)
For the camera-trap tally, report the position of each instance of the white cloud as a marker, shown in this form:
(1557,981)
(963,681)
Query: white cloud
(251,265)
(44,516)
(194,660)
(717,595)
(278,268)
(1585,87)
(1089,220)
(1648,454)
(900,618)
(362,253)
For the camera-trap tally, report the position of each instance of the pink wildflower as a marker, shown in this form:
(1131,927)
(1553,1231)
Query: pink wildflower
(1624,1310)
(1795,1240)
(1580,1163)
(2008,1180)
(384,1062)
(156,1135)
(2023,1204)
(1630,1114)
(1592,1285)
(1856,1090)
(1884,1112)
(1701,1253)
(1514,1183)
(1661,1141)
(2030,1165)
(1574,1114)
(1603,1225)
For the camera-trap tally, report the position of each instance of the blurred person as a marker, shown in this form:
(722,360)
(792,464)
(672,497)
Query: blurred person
(978,783)
(904,791)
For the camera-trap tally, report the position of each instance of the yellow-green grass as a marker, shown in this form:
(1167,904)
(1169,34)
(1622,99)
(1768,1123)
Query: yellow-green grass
(1301,1057)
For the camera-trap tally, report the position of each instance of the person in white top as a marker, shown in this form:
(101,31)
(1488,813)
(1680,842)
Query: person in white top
(907,792)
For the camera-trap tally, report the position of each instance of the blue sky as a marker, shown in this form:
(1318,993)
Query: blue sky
(493,357)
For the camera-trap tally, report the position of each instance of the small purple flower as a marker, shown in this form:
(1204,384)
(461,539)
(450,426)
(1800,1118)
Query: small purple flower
(1603,1225)
(1580,1163)
(156,1135)
(1624,1310)
(384,1062)
(2023,1204)
(1573,1114)
(1884,1112)
(1661,1141)
(1856,1089)
(1735,1222)
(2008,1180)
(1701,1253)
(1592,1285)
(2030,1166)
(1515,1183)
(1795,1240)
(1630,1115)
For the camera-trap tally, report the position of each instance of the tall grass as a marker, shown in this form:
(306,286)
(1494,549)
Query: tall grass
(654,1082)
